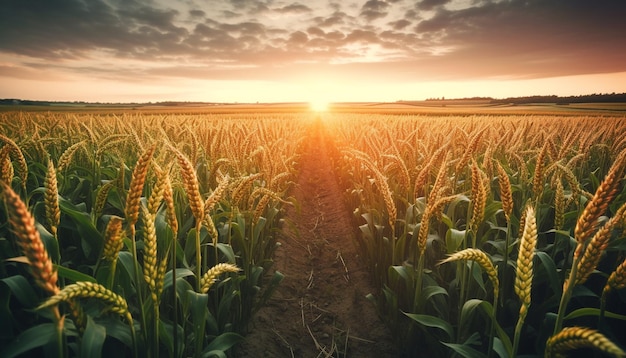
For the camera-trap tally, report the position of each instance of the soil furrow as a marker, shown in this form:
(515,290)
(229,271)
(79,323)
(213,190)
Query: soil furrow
(320,309)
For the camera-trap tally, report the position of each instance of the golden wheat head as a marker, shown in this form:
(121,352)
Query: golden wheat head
(571,338)
(23,225)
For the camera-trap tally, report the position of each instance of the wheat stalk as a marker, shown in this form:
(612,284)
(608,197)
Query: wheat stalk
(483,260)
(6,166)
(85,289)
(538,174)
(190,182)
(596,246)
(467,155)
(168,198)
(479,200)
(66,157)
(19,156)
(101,198)
(559,205)
(571,338)
(617,279)
(588,220)
(131,210)
(211,275)
(524,270)
(51,199)
(505,192)
(217,194)
(113,238)
(29,241)
(238,192)
(149,250)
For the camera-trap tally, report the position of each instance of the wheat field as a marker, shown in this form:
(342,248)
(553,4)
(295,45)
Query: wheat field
(151,234)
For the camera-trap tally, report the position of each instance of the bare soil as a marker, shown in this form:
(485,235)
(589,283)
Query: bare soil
(320,308)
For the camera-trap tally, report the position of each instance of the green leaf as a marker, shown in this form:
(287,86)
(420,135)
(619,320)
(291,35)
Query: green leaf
(468,312)
(454,238)
(581,312)
(180,272)
(199,311)
(127,261)
(22,290)
(433,290)
(548,269)
(432,321)
(93,339)
(499,348)
(73,275)
(210,354)
(30,339)
(119,330)
(223,342)
(91,239)
(50,242)
(502,341)
(465,350)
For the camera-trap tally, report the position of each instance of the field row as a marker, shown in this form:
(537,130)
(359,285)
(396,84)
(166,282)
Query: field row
(491,235)
(139,235)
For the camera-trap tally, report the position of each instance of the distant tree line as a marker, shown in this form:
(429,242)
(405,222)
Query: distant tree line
(593,98)
(587,98)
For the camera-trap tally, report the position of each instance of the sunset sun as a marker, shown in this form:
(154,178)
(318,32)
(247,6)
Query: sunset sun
(319,105)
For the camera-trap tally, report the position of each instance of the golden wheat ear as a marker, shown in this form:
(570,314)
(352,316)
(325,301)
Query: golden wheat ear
(51,199)
(571,338)
(191,185)
(483,260)
(131,210)
(28,239)
(211,275)
(524,270)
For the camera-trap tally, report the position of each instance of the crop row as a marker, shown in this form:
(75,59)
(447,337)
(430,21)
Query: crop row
(138,234)
(491,235)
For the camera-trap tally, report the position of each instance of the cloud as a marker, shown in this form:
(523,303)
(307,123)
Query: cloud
(374,9)
(430,4)
(431,38)
(294,8)
(533,38)
(399,24)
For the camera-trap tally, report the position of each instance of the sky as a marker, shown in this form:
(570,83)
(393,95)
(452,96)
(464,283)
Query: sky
(315,50)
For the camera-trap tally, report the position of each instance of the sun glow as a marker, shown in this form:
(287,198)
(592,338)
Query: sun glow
(319,105)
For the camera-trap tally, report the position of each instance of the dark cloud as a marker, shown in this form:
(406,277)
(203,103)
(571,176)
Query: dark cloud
(399,24)
(535,37)
(430,4)
(197,13)
(374,9)
(58,29)
(315,31)
(337,18)
(531,38)
(294,8)
(298,38)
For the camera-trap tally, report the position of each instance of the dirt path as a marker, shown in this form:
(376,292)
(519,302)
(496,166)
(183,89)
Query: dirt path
(320,309)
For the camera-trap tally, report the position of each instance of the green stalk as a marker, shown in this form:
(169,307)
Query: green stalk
(112,274)
(492,331)
(133,335)
(565,297)
(59,332)
(175,299)
(155,328)
(138,279)
(518,331)
(507,241)
(198,256)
